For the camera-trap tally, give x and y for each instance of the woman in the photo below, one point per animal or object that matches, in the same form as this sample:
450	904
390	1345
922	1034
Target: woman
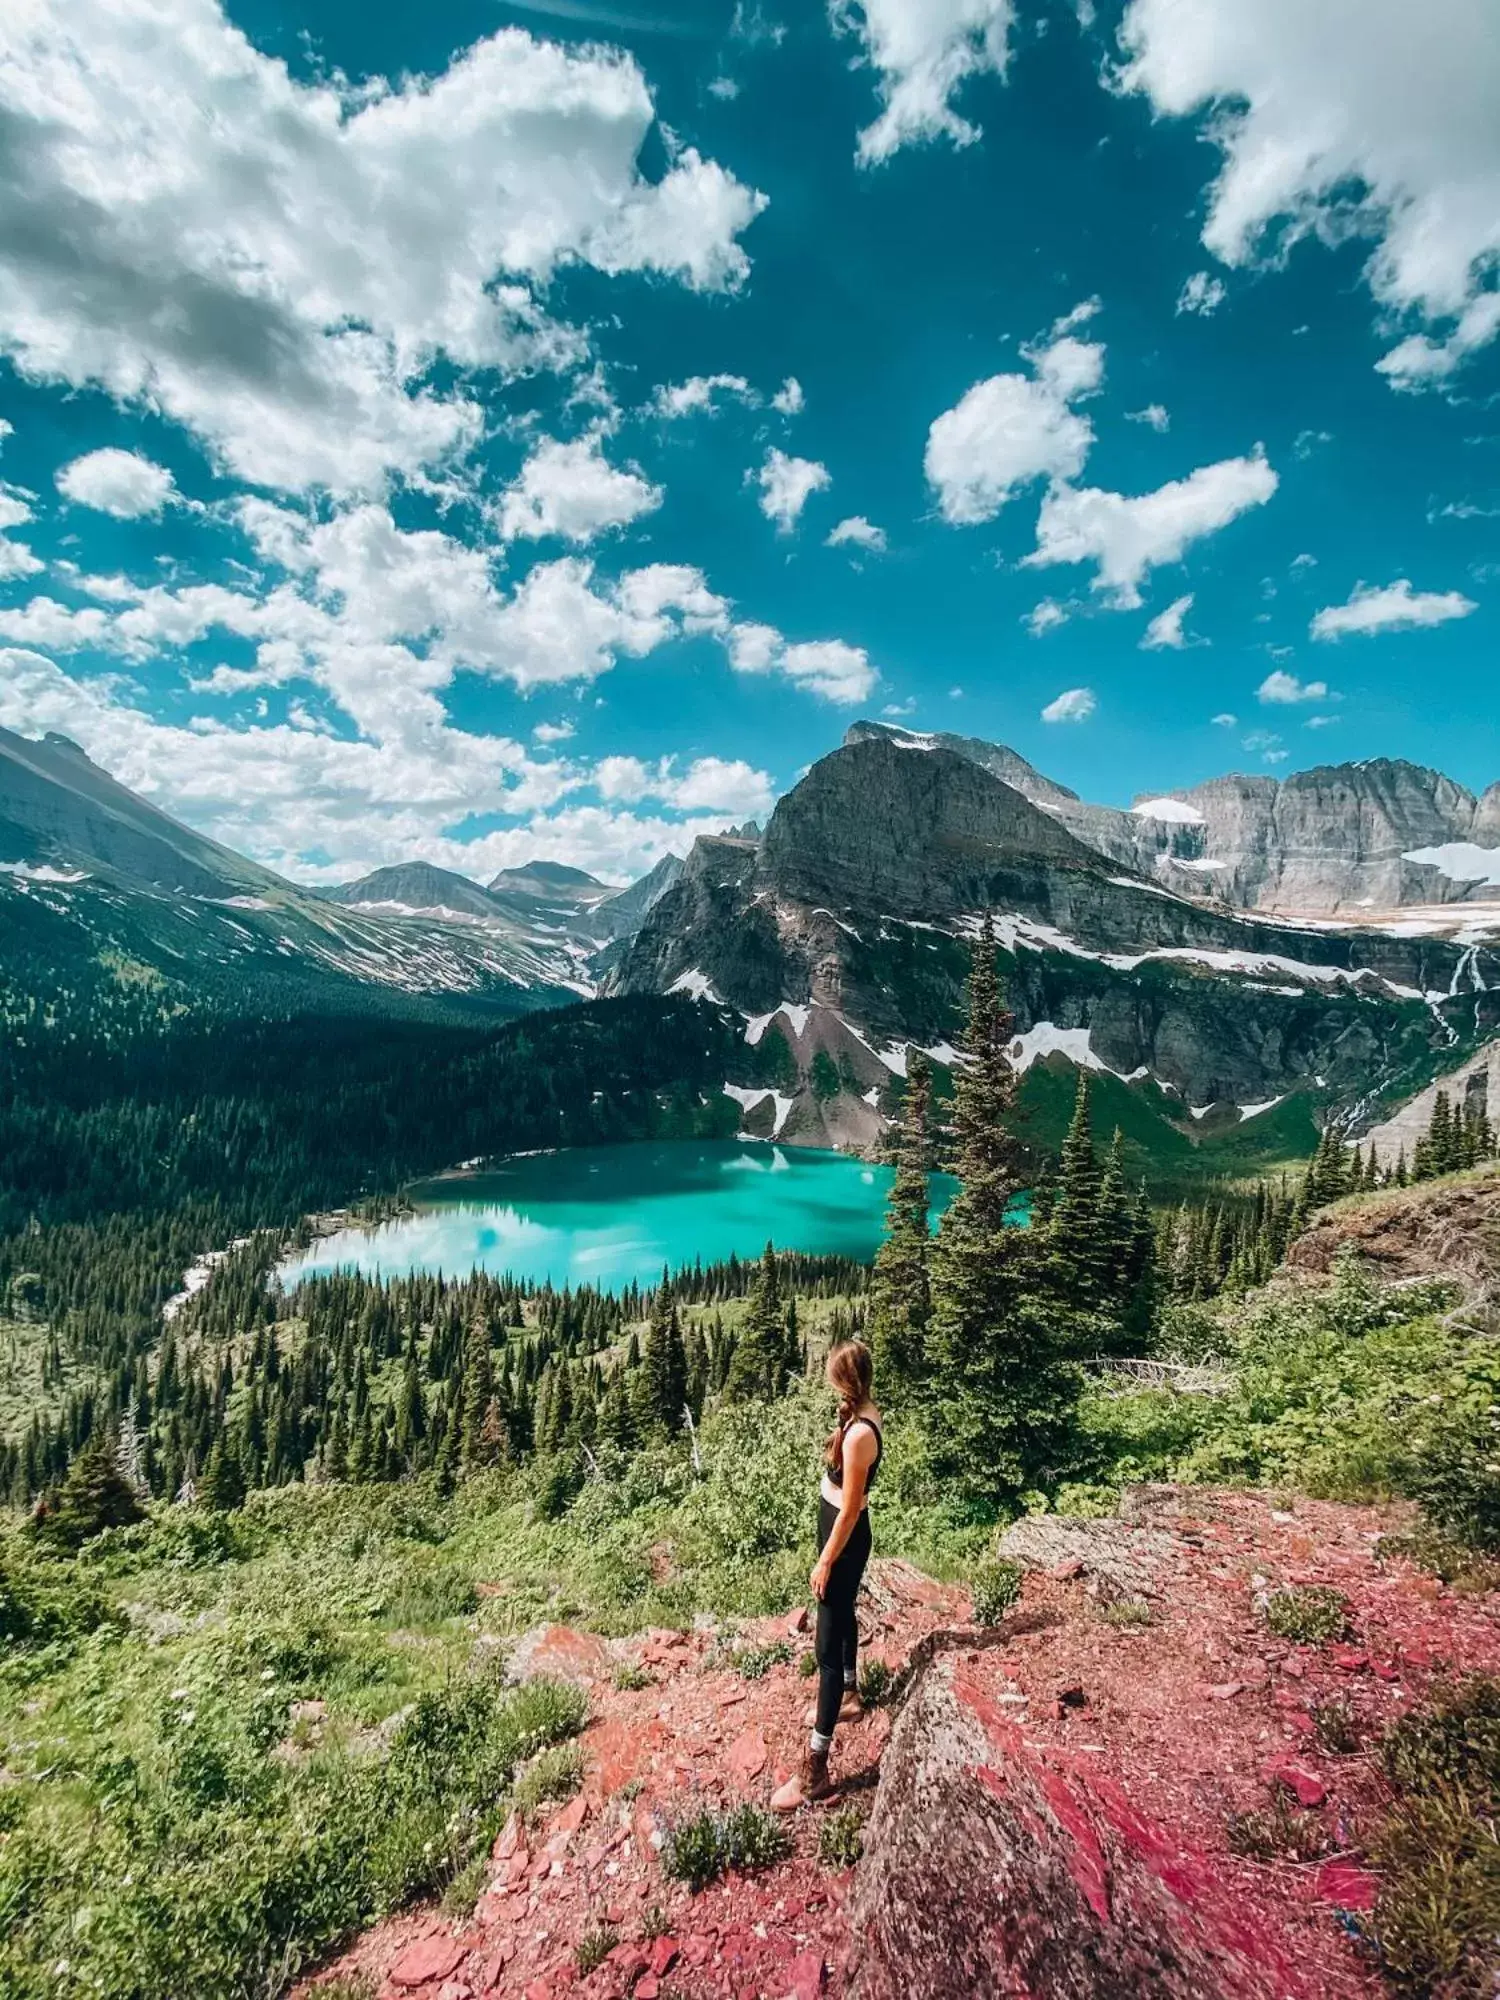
851	1459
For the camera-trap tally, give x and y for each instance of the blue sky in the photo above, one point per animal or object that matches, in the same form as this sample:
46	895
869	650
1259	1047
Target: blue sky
476	431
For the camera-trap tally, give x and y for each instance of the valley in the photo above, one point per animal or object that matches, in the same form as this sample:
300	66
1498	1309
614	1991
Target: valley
389	1338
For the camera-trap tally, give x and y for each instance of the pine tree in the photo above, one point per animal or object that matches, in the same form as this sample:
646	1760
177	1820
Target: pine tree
478	1390
1074	1255
900	1293
664	1370
92	1497
999	1396
758	1370
222	1486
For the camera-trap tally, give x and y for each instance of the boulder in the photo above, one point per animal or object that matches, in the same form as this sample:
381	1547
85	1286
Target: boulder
997	1865
1118	1560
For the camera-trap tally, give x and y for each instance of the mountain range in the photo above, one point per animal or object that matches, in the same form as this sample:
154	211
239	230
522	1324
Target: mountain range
846	928
1331	939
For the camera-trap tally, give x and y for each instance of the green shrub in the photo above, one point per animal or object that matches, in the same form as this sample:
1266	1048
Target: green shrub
996	1589
41	1603
1437	1922
875	1679
630	1679
594	1947
1308	1614
698	1850
807	1665
1453	1472
551	1775
1443	1556
1336	1727
1131	1614
841	1837
753	1663
1278	1832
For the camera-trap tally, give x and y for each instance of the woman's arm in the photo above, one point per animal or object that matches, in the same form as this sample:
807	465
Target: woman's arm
859	1456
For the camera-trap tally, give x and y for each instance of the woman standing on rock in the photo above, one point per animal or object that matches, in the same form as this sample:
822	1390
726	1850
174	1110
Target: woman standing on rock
851	1460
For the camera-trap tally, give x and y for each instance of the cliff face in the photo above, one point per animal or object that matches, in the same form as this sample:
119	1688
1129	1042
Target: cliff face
1338	840
873	873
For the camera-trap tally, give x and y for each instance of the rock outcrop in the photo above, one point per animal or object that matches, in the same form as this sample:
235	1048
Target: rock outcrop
1448	1230
1052	1807
997	1864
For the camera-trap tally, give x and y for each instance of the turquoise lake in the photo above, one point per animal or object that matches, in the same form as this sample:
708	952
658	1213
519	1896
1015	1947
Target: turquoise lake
607	1215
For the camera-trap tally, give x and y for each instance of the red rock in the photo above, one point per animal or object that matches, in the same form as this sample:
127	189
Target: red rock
539	1989
1386	1670
1294	1667
796	1622
1347	1885
697	1949
511	1837
806	1974
430	1959
648	1987
663	1955
1305	1786
1226	1690
628	1959
747	1756
1066	1572
1349	1658
572	1816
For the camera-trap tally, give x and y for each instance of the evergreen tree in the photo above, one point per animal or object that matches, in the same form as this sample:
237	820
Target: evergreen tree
664	1370
1075	1256
222	1486
758	1369
478	1390
92	1497
998	1401
900	1294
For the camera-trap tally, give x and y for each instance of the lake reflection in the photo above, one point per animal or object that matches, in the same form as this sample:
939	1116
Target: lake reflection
611	1215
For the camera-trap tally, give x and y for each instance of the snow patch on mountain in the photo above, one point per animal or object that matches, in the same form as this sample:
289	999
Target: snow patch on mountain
1461	861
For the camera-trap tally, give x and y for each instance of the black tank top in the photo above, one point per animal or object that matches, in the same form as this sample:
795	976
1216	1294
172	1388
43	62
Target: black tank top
836	1472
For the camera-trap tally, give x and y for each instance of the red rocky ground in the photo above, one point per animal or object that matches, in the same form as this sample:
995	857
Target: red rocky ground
1117	1755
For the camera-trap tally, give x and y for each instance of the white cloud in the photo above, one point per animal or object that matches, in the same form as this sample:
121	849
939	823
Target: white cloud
572	490
1306	103
283	793
1395	608
831	669
924	50
16	558
1267	744
789	400
1165	629
276	264
712	784
1320	722
826	667
753	648
1128	535
1045	617
1075	705
697	393
1154	414
786	485
1202	294
554	732
1285	690
1225	721
857	532
1008	430
121	483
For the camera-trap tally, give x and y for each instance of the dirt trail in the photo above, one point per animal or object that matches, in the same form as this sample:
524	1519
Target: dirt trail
1176	1724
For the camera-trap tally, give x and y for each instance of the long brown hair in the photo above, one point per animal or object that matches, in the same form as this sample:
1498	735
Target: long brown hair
851	1374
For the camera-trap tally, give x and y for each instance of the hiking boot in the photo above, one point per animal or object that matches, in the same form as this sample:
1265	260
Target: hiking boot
811	1784
851	1708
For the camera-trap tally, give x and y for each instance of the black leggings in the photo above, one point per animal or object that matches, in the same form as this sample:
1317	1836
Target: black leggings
838	1629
